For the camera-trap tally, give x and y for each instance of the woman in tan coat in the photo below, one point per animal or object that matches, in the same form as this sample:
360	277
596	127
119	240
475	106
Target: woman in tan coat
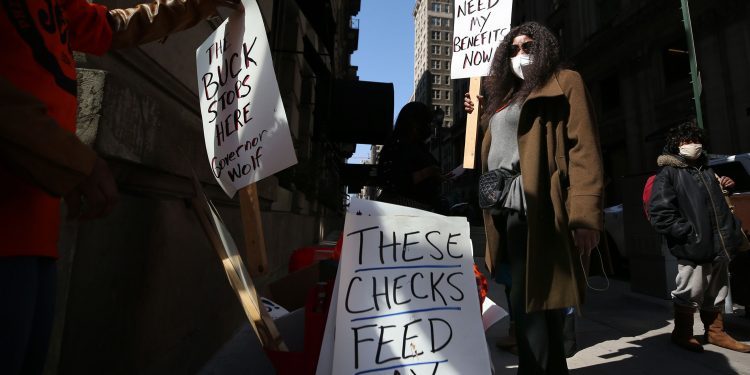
538	122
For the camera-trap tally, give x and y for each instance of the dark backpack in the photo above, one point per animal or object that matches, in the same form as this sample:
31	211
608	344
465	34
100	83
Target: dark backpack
647	194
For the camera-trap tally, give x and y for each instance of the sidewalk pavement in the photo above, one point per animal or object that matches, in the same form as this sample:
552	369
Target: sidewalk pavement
621	332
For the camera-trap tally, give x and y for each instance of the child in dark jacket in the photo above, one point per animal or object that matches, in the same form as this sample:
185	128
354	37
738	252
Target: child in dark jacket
688	209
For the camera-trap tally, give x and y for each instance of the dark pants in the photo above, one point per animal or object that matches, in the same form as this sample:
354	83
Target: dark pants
27	299
540	333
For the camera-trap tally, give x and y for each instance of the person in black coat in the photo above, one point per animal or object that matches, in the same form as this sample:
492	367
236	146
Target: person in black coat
688	209
409	175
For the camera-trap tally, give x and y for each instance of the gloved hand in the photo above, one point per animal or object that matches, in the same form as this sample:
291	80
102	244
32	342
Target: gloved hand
149	22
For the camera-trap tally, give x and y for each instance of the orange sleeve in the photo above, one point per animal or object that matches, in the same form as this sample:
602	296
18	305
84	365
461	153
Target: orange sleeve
88	27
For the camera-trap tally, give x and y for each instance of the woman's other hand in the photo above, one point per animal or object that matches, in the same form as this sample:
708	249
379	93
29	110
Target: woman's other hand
585	240
447	176
427	172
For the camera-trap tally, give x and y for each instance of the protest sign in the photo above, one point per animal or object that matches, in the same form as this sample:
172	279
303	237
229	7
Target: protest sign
478	28
356	207
244	124
407	299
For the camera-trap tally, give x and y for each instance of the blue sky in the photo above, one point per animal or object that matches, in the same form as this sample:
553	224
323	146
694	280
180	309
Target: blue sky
386	51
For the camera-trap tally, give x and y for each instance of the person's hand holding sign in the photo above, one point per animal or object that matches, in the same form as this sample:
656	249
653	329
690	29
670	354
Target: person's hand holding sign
469	104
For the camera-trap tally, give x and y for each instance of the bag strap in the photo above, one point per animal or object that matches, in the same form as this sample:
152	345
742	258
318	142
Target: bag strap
503	107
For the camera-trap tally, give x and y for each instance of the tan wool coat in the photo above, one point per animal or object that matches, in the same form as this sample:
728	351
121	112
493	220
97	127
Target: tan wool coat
561	167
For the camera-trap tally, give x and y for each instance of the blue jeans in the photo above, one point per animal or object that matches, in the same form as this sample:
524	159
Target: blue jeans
27	301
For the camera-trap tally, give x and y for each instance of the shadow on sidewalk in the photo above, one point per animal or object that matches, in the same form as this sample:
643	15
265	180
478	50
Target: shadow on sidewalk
621	332
656	355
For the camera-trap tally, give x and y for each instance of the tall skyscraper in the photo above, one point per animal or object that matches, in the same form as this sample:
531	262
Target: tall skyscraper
433	31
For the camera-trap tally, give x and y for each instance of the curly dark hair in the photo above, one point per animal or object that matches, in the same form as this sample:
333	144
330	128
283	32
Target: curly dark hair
502	85
685	132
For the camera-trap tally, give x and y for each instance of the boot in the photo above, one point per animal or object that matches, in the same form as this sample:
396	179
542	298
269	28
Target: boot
569	335
682	334
508	343
713	321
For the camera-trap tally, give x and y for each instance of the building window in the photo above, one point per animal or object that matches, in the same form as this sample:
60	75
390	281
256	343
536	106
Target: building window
435	107
436	7
446	21
436	35
435	50
436	94
447	80
447	8
436	79
447	64
446	94
435	21
448	51
447	110
447	35
435	64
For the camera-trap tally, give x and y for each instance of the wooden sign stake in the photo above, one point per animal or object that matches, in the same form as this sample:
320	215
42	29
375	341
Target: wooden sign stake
262	324
255	244
472	124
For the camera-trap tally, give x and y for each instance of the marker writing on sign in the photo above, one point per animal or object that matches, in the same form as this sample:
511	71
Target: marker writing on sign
231	67
238	156
490	37
232	70
217	49
480	21
431	370
469	7
429	237
432	285
440	333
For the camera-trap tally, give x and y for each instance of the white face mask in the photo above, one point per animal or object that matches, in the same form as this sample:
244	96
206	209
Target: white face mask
691	151
520	61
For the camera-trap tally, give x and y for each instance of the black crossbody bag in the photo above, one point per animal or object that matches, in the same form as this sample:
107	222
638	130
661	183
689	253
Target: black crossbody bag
494	186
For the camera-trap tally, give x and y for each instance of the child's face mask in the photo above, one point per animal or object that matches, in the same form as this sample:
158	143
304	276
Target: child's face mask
691	151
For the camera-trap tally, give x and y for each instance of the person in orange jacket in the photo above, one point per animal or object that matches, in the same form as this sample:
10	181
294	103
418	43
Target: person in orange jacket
41	159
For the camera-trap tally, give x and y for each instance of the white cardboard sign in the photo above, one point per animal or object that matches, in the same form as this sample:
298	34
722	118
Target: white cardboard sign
407	299
478	28
244	124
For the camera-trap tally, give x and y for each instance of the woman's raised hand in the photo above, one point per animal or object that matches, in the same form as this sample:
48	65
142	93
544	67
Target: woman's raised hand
469	104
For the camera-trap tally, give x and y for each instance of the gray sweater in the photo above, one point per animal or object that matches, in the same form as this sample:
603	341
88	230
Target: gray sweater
504	152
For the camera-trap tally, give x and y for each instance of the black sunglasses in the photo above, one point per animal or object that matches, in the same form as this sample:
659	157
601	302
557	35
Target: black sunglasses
526	46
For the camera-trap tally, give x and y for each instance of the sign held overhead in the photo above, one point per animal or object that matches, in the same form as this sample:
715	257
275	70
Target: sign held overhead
244	124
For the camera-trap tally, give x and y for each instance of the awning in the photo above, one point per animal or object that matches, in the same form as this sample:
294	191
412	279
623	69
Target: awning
361	112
